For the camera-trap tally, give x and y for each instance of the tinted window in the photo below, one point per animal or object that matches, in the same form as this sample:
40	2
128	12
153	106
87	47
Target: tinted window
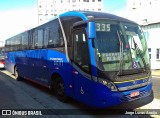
32	36
46	37
81	52
39	39
67	23
55	35
19	42
25	40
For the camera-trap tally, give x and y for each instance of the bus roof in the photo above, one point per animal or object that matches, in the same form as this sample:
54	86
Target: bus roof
99	15
86	15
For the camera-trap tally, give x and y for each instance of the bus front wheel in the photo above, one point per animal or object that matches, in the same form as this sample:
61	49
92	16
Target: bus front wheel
59	90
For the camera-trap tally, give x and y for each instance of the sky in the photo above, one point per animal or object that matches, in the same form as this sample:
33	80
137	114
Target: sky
20	15
114	6
109	5
7	5
17	16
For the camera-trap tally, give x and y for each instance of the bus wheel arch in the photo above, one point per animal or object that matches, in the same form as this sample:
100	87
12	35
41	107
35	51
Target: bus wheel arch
58	86
16	74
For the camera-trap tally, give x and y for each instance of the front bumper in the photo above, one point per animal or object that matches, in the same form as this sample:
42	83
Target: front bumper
107	98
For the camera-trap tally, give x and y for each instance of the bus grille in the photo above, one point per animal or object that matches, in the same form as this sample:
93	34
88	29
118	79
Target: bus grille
127	98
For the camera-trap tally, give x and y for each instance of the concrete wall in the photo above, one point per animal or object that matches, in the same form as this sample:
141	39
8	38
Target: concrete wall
153	38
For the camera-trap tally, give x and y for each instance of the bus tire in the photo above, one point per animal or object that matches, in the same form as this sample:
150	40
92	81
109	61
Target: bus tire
59	90
16	74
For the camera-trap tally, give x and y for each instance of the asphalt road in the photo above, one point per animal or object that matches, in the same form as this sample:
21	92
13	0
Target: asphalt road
26	95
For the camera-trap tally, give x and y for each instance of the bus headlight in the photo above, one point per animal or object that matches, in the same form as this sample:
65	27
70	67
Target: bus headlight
149	79
107	83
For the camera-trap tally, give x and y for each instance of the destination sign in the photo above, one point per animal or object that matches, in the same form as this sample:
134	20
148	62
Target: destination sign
103	27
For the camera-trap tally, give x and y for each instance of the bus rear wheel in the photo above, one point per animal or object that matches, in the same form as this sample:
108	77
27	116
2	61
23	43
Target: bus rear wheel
17	77
59	90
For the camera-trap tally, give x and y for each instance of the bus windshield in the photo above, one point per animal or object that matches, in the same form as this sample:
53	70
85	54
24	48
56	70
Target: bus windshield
120	47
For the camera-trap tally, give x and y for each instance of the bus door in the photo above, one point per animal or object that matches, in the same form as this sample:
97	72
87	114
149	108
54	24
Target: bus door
81	64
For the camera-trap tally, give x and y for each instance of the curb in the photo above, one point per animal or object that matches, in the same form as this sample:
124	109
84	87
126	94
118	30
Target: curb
157	76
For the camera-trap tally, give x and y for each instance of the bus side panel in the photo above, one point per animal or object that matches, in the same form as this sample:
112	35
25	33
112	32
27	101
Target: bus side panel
39	65
32	64
10	61
58	63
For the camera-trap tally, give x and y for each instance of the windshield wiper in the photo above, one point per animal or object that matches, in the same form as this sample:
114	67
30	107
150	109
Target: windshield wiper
140	53
121	54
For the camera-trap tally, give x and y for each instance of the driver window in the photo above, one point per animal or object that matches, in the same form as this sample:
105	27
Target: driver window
81	52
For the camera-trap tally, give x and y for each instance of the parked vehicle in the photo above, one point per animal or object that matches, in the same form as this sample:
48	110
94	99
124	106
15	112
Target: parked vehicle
96	58
2	62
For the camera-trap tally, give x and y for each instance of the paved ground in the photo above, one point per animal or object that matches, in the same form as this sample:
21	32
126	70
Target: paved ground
156	73
26	95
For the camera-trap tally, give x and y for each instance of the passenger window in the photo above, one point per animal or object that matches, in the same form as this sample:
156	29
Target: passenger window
46	37
55	35
33	39
40	38
25	40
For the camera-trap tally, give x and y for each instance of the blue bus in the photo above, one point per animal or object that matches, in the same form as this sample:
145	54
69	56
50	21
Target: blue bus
97	58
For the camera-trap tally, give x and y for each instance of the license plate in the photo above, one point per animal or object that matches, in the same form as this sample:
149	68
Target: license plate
134	94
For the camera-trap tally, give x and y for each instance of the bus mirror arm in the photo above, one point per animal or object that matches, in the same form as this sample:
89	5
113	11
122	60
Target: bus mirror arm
89	24
91	30
81	24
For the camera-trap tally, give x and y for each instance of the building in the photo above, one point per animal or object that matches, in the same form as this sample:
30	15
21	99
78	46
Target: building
48	9
144	12
1	44
140	10
152	31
